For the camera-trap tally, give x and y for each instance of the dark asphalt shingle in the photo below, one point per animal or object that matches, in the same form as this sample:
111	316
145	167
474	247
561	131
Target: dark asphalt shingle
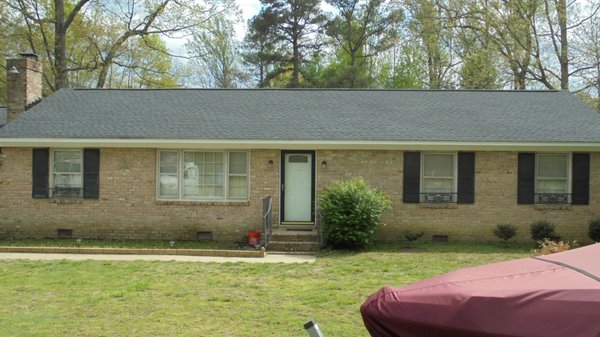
379	115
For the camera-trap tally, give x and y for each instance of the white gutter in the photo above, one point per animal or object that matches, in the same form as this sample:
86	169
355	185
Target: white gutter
299	144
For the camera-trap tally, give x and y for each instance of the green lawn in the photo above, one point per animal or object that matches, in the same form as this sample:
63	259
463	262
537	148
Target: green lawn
91	298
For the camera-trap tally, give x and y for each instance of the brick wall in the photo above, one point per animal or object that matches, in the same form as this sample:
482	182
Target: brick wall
495	198
128	208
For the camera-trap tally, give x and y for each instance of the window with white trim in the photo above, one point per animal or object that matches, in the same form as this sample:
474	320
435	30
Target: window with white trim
552	172
203	175
438	177
67	173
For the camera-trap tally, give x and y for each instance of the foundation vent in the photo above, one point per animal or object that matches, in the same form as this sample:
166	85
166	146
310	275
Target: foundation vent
63	233
204	236
439	238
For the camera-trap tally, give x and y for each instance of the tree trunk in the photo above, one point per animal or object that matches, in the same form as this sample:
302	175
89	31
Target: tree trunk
296	64
60	46
564	45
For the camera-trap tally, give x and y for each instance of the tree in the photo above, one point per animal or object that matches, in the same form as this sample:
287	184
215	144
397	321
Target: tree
54	29
504	24
478	54
479	69
361	30
429	26
218	53
144	19
552	31
402	69
61	17
4	48
259	48
588	47
293	26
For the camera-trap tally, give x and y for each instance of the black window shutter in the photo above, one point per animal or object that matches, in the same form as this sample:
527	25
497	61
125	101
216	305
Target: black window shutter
412	177
526	178
39	176
581	179
91	173
466	177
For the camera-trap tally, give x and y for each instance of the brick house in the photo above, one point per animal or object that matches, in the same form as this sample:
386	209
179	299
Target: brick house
178	163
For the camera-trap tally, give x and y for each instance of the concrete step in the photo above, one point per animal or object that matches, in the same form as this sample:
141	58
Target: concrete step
287	234
293	246
292	237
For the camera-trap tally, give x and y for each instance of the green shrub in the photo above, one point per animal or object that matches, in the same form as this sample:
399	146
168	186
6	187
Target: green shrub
543	229
351	210
594	231
505	231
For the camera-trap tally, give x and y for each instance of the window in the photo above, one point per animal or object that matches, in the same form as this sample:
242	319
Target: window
203	175
169	168
238	175
438	178
67	173
552	178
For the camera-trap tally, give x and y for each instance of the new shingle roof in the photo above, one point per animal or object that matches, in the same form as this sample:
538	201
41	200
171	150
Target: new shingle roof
248	114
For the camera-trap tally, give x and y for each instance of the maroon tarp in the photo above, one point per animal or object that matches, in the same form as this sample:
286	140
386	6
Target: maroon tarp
552	295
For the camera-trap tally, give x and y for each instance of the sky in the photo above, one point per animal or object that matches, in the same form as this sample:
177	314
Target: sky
249	8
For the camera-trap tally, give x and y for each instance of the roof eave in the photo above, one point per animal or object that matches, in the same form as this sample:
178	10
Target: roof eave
301	144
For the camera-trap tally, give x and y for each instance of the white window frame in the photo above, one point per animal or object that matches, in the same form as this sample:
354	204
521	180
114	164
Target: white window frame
454	171
52	171
180	175
247	174
569	168
158	196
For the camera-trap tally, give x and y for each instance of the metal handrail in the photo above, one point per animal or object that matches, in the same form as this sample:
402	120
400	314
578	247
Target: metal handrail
267	220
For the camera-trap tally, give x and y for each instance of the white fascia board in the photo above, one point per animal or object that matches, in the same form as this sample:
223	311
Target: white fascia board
300	144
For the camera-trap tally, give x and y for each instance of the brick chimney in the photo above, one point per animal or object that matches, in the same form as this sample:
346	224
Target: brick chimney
23	84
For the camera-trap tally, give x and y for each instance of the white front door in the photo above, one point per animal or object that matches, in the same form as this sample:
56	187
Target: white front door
298	187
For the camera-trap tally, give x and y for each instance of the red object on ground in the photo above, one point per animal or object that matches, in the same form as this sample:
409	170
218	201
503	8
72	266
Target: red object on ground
554	295
254	238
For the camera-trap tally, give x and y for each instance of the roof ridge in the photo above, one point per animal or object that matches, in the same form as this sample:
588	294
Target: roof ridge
324	89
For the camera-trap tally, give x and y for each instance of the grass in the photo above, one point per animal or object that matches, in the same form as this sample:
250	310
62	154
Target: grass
95	298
